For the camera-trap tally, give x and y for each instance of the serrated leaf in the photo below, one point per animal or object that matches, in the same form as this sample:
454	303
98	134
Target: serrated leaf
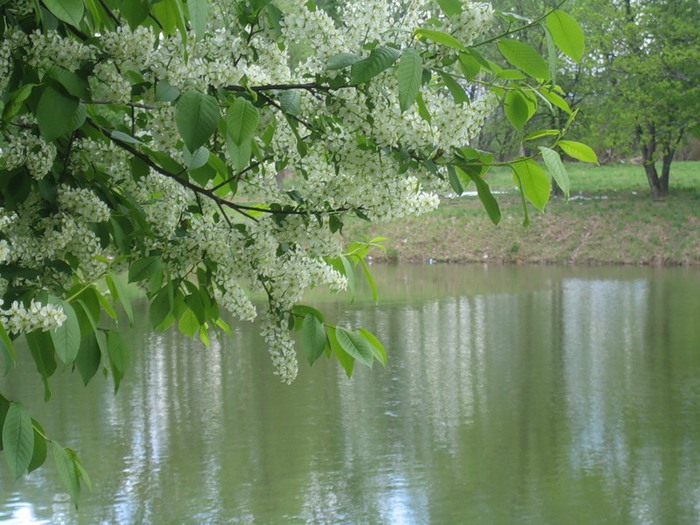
341	61
165	92
313	337
556	169
7	350
119	356
18	439
199	16
454	181
486	197
456	90
450	7
142	269
73	83
39	450
440	37
66	338
188	323
516	109
69	11
534	182
41	348
120	292
89	357
410	73
578	151
123	137
377	346
525	58
55	112
543	133
290	102
355	345
469	65
567	34
196	117
557	100
241	121
66	471
345	359
380	59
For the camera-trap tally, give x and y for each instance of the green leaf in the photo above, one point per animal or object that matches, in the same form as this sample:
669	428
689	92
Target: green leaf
160	311
469	65
377	346
440	37
165	92
74	84
120	291
458	94
485	196
423	109
199	16
556	100
524	57
290	102
196	117
345	359
455	183
341	61
189	324
119	356
410	77
242	120
17	99
313	337
556	169
135	12
543	133
41	348
142	269
379	60
67	471
578	151
55	112
7	350
68	11
355	345
39	450
567	34
533	181
4	407
516	109
66	338
18	439
370	280
450	7
89	357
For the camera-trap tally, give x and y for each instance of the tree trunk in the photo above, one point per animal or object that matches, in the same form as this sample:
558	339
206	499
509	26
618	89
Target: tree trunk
648	146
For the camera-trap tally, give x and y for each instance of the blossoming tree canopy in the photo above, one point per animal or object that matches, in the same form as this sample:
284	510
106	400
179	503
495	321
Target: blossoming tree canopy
143	141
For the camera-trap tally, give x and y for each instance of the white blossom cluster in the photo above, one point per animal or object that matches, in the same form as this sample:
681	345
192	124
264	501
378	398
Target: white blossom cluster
82	202
280	345
27	148
353	166
18	319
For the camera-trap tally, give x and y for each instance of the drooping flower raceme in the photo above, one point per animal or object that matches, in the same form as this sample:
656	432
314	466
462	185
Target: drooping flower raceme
174	143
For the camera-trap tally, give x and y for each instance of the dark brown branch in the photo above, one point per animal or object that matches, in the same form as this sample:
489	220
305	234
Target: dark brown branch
198	190
110	13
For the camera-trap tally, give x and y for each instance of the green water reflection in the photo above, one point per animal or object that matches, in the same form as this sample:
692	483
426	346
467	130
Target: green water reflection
513	395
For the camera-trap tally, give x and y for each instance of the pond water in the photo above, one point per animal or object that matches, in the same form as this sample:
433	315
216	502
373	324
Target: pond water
539	395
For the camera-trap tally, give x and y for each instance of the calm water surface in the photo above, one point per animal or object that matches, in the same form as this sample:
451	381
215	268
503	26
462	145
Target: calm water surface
513	395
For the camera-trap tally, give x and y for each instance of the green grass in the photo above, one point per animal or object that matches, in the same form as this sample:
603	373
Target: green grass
610	219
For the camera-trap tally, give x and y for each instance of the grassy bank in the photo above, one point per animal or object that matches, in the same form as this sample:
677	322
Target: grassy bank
610	219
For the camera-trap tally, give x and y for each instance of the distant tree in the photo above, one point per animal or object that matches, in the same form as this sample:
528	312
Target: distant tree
642	78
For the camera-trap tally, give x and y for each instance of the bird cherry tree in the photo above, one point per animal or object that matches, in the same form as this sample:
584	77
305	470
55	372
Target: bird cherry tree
142	143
